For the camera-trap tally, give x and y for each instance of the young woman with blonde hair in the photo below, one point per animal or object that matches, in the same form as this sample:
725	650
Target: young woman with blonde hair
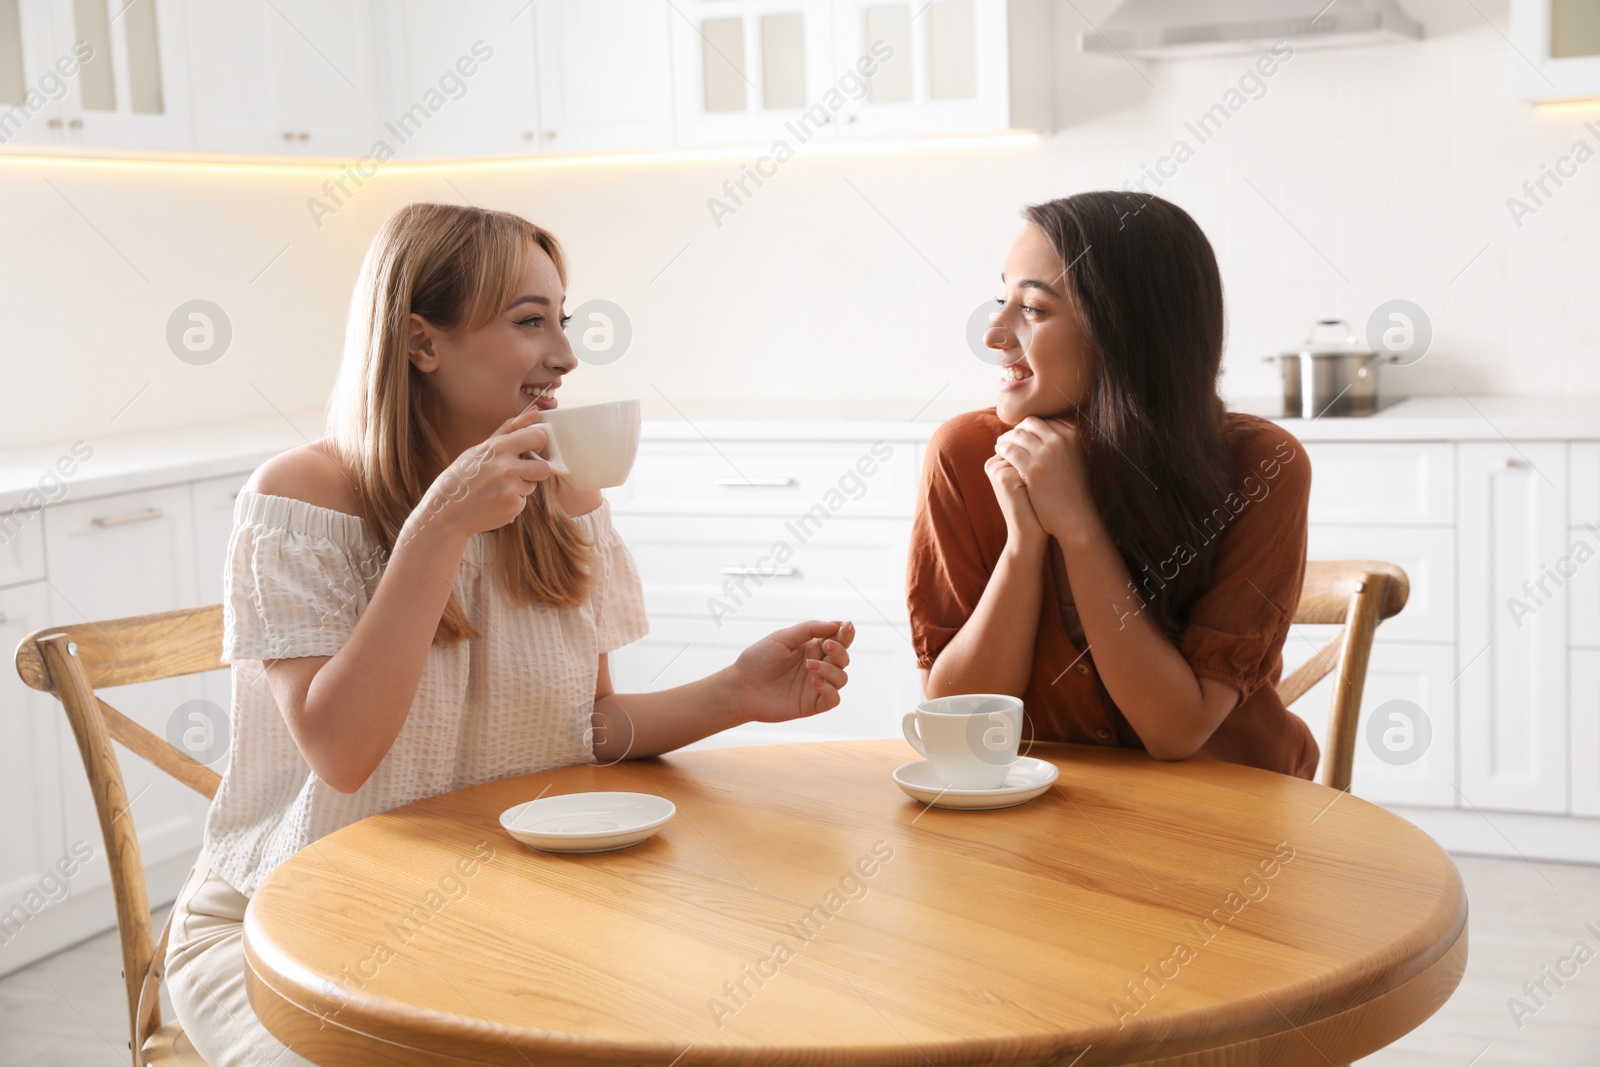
414	605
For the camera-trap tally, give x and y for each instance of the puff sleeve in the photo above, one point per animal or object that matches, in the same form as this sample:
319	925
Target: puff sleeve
1237	627
618	595
298	576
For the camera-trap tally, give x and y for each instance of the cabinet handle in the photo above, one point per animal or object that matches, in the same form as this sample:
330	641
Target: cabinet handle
549	135
527	135
76	124
54	124
757	482
132	516
776	572
1511	462
2	616
304	136
288	135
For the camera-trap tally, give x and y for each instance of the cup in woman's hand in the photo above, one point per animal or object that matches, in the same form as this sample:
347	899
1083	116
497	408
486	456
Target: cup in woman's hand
592	446
971	740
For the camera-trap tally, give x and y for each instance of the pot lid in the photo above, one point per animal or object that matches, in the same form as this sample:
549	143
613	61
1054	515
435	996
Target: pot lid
1331	337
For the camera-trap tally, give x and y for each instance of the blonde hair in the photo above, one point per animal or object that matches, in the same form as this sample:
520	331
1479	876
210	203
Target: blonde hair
457	267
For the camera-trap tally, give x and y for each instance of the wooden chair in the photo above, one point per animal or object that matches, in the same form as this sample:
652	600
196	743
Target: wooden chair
71	662
1358	594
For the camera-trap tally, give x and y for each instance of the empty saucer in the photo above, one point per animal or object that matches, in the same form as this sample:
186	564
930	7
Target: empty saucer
1027	778
587	822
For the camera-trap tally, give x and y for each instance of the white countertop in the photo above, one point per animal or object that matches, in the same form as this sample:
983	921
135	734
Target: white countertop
122	463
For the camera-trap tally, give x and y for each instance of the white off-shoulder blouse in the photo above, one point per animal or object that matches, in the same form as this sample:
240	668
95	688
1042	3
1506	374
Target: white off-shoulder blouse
514	701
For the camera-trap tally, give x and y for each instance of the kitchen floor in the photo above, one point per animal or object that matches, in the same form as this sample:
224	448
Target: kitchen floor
68	1010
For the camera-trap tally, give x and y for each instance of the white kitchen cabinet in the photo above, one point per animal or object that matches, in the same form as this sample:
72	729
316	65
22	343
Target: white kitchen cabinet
475	63
605	75
768	568
32	835
1426	554
1555	49
294	77
754	71
111	557
1513	689
1584	761
855	479
1387	483
1422	673
122	70
945	66
214	501
883	683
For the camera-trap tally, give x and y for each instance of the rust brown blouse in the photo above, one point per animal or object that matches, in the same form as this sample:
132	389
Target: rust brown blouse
1236	629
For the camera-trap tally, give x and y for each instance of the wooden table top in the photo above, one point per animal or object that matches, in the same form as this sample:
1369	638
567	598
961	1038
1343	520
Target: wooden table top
800	909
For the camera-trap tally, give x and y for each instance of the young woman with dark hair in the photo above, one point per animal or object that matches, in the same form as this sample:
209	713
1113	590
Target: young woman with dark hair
1108	542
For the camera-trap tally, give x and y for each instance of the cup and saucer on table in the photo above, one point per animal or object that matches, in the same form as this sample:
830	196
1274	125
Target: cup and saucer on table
970	744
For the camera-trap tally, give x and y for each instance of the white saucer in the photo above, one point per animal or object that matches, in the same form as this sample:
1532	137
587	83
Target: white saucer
1027	778
587	822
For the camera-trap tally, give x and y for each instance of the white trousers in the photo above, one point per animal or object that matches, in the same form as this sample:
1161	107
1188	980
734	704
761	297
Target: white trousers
205	976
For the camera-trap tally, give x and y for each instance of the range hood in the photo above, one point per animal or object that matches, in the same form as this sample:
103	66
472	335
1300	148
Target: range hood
1176	29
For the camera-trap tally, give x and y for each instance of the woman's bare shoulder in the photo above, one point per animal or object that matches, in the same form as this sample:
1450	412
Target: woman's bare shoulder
312	473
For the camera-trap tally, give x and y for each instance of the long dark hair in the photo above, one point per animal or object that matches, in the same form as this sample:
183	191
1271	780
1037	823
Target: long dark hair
1145	285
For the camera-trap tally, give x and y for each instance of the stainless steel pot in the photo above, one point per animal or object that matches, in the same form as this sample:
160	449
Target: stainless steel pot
1330	374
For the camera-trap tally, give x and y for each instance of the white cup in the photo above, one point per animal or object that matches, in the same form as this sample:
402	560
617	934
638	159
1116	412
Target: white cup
971	739
592	446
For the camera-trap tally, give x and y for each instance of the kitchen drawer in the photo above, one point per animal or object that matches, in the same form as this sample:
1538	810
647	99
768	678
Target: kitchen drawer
1427	555
883	680
21	546
842	568
1401	482
1422	673
824	479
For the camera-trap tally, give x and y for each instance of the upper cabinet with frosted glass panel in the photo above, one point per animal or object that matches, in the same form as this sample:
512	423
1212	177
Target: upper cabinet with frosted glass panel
93	74
945	66
1557	54
763	71
358	80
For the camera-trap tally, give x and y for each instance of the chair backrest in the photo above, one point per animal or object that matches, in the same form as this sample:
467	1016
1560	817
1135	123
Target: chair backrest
1356	594
71	662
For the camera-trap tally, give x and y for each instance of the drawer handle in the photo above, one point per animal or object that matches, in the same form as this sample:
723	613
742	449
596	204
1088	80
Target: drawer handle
757	572
775	483
1512	463
132	516
2	616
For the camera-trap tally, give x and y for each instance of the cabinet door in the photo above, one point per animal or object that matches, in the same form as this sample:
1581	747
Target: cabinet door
110	557
1512	691
883	684
133	92
605	74
28	114
32	837
1421	771
1556	49
938	67
463	78
328	51
214	500
237	74
1426	554
1585	761
754	72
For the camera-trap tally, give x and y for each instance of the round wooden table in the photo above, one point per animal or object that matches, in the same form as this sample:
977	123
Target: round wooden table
800	909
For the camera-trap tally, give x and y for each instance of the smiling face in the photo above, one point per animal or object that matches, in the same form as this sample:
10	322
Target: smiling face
1046	358
481	378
